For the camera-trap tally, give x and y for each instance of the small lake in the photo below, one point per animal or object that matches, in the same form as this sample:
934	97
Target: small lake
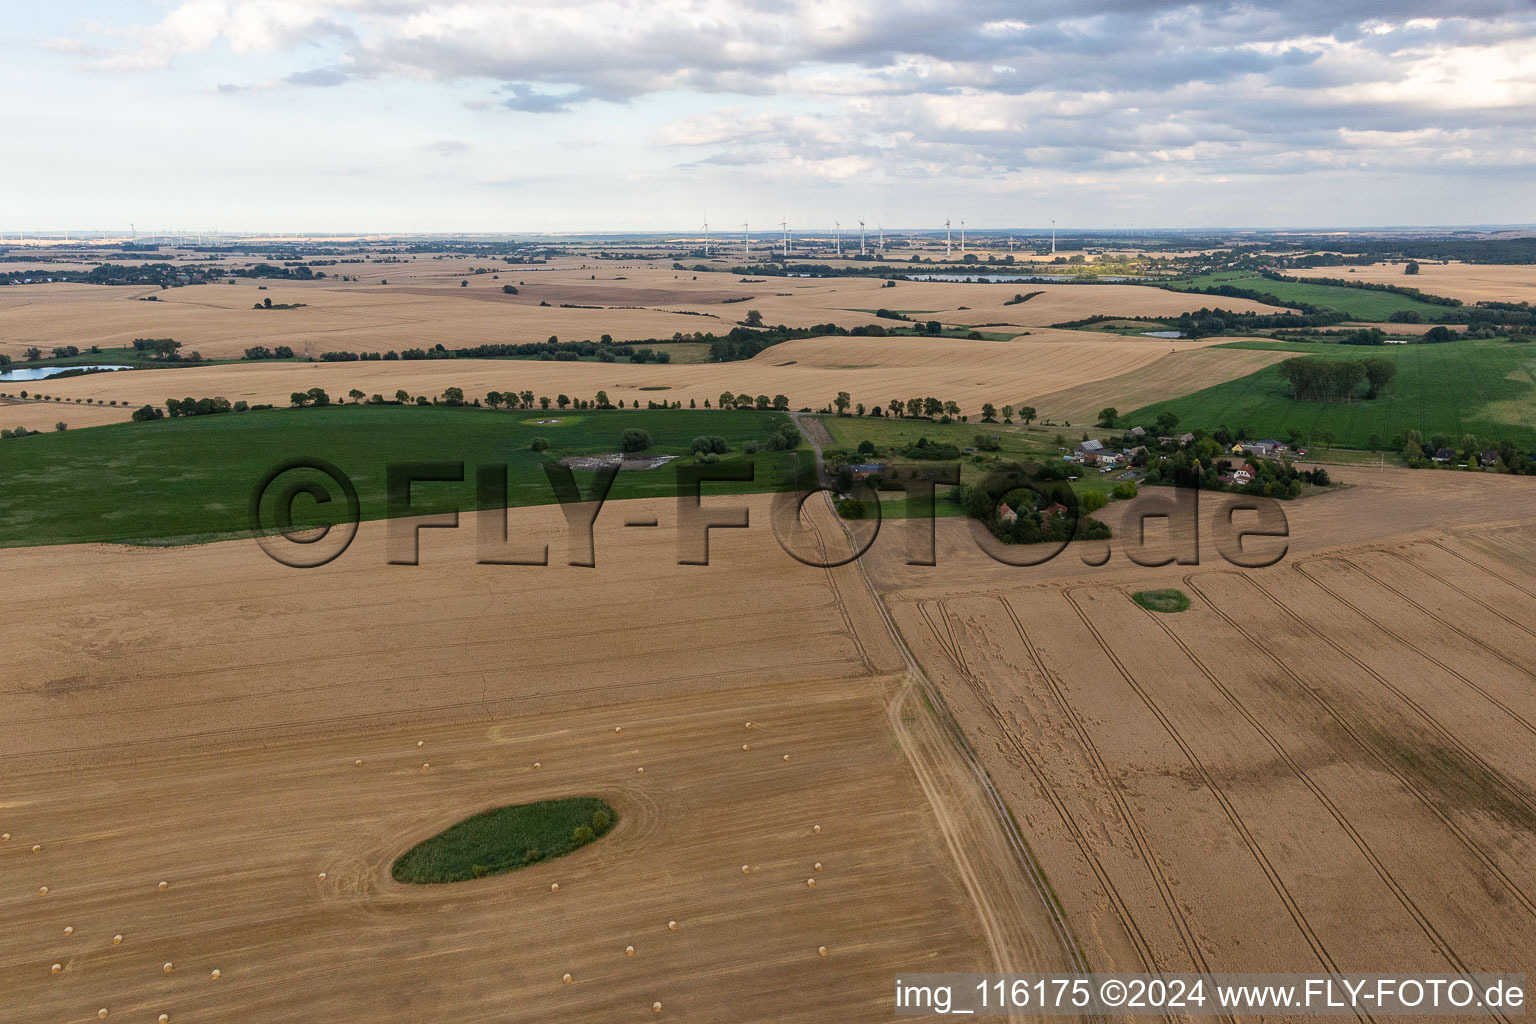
44	372
1162	334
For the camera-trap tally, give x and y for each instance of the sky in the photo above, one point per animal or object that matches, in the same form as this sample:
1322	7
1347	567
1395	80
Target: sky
655	115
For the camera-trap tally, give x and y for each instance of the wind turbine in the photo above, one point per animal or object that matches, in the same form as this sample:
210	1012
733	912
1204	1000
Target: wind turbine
706	236
1053	236
962	236
746	243
862	251
881	228
946	238
785	225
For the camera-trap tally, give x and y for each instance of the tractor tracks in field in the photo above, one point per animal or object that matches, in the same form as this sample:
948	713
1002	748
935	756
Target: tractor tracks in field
1345	825
1353	730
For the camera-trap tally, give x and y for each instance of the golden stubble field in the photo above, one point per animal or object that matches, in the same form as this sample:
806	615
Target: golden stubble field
809	372
1322	765
1469	282
431	301
196	716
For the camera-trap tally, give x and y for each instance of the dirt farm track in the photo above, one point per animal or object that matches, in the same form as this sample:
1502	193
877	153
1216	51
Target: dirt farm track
1327	763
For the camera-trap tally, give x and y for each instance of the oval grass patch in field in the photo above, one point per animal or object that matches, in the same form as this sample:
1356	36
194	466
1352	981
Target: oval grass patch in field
1161	600
505	839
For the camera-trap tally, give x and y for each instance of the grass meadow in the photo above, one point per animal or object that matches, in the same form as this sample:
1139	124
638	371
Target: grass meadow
190	479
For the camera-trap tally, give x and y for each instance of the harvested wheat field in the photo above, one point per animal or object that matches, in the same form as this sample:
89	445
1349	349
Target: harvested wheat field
1469	282
429	302
214	746
1182	371
1321	765
45	415
807	371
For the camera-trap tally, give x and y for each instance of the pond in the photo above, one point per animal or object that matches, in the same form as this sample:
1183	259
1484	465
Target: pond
1162	334
44	372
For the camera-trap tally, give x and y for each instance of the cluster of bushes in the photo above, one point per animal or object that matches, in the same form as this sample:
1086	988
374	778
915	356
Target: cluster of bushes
18	432
202	406
929	451
581	835
1337	380
256	352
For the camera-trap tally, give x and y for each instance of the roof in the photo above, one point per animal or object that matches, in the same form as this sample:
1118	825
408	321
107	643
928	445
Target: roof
866	467
1090	446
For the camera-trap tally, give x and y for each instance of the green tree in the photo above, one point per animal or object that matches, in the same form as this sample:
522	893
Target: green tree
988	413
493	399
356	396
1166	423
1108	415
841	402
1412	267
754	318
1007	414
634	440
403	396
317	396
562	401
453	396
1027	414
780	402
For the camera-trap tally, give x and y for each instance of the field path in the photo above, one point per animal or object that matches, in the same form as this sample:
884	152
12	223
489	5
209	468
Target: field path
939	753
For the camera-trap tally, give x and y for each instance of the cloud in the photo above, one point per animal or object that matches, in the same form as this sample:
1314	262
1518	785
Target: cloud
448	147
987	89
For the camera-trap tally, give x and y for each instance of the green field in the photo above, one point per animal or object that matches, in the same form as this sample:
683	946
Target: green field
502	840
1485	388
1357	303
1169	601
190	479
